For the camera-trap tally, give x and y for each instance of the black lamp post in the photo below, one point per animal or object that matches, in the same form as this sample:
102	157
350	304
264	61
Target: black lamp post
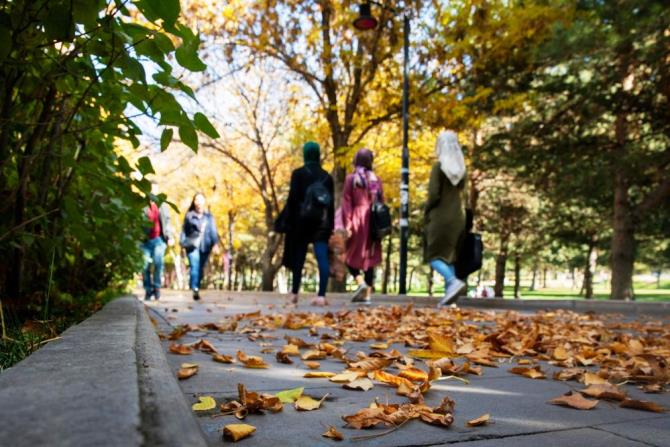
364	22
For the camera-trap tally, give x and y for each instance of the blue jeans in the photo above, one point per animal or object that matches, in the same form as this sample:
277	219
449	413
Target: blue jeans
321	253
446	270
197	260
153	252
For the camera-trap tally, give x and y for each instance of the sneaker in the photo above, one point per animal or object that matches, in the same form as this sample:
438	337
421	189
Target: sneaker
451	294
359	295
157	294
196	294
148	294
319	301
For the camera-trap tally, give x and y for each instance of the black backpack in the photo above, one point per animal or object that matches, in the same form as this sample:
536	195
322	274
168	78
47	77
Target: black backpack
380	219
317	200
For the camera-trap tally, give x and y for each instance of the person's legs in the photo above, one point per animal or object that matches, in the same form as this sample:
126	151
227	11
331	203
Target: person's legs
158	254
370	277
299	262
321	253
204	257
146	270
452	285
194	268
360	294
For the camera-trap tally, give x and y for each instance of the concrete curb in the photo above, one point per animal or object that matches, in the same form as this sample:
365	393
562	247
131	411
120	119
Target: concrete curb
104	382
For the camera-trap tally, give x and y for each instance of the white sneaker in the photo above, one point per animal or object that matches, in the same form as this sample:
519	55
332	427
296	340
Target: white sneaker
451	294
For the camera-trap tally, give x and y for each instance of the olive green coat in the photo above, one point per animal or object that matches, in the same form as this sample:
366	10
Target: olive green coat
444	217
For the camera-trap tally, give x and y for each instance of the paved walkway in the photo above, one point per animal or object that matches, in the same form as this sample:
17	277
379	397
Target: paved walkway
517	405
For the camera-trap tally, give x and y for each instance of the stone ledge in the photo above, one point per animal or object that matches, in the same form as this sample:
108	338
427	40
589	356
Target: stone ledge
97	385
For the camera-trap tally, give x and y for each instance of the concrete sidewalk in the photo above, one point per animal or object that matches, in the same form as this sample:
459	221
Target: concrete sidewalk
518	405
105	382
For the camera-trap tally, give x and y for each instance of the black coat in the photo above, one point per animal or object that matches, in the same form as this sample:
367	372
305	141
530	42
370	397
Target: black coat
300	232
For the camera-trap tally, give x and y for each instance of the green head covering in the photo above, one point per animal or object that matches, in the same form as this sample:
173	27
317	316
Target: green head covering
311	152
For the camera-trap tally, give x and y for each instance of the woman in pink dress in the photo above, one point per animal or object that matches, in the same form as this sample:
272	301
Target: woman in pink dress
364	253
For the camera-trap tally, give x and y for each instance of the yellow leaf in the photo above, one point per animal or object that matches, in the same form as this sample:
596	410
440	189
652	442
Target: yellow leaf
344	377
481	420
206	403
440	343
235	432
363	384
291	350
318	375
306	403
425	354
379	346
290	396
593	379
312	365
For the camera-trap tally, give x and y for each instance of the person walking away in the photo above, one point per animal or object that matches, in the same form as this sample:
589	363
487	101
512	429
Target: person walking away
199	238
445	213
159	236
364	251
310	219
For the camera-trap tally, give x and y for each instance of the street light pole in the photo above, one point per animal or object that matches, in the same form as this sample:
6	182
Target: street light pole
404	170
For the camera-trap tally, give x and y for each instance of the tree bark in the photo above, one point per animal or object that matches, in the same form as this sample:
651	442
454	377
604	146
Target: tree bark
387	265
532	281
499	287
517	276
623	242
588	271
430	281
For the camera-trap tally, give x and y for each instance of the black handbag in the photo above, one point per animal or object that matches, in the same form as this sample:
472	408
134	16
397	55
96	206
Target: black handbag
380	216
471	252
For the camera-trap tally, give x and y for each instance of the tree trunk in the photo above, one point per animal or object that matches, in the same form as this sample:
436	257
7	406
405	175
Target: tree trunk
387	265
517	276
501	261
588	271
532	281
544	278
231	251
623	242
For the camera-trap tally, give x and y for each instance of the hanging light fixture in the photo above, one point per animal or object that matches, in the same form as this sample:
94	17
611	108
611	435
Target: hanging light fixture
365	21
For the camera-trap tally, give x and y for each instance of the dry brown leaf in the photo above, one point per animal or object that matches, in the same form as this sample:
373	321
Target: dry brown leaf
605	391
187	370
574	400
235	432
223	358
345	377
205	346
363	384
370	364
283	357
560	353
306	403
312	365
291	349
314	354
318	375
569	374
180	349
332	433
532	373
391	379
593	379
381	346
414	374
481	420
251	361
440	342
644	405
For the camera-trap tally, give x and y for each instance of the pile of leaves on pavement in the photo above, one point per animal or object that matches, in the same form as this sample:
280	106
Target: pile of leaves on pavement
599	352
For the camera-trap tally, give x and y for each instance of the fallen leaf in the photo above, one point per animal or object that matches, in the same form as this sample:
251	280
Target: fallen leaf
205	346
187	370
604	391
532	373
290	396
593	379
180	349
283	357
414	374
381	346
251	361
223	358
569	374
425	354
481	420
644	405
290	350
318	375
332	433
312	365
440	342
370	364
314	354
560	353
363	384
391	379
574	400
235	432
205	403
344	377
306	403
